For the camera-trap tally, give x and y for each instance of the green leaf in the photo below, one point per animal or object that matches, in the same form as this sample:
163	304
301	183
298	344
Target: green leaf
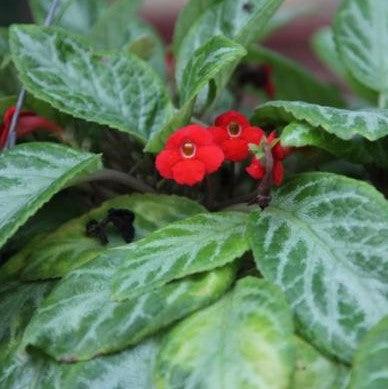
360	31
9	82
315	371
324	47
18	302
210	60
242	341
292	82
120	28
200	243
187	17
73	15
68	247
231	18
371	124
323	241
30	174
116	89
79	320
370	368
358	150
131	368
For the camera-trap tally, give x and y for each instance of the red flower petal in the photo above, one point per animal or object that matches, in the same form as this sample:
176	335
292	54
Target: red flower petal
219	134
278	173
235	149
165	161
189	172
30	122
231	116
256	169
212	157
192	133
3	136
253	134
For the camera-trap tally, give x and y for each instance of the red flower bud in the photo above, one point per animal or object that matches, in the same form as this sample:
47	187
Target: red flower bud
189	155
233	133
257	170
27	123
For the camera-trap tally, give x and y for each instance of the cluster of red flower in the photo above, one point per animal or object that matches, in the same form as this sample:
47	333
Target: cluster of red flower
192	152
28	122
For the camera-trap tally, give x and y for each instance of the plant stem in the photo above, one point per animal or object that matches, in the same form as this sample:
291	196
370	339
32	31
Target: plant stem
263	197
121	178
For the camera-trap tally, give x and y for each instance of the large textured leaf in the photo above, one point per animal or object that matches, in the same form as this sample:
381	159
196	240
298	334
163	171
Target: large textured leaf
120	28
32	173
323	240
9	83
315	371
360	31
79	320
358	150
200	243
68	247
370	367
74	15
292	82
210	60
371	124
131	368
231	18
116	89
324	47
242	341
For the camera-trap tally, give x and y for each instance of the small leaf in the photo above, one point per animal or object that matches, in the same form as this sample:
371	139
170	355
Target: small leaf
358	150
315	371
323	240
74	15
242	341
292	82
200	243
360	31
79	320
30	174
116	89
371	124
370	368
210	60
68	247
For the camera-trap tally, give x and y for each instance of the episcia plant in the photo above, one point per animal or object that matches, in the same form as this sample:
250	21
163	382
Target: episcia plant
209	215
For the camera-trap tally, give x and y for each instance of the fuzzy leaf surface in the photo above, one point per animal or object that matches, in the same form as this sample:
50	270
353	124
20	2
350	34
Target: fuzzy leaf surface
243	341
31	173
323	240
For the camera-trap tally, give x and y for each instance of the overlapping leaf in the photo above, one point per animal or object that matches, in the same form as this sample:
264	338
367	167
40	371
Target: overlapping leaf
244	340
360	31
79	320
371	124
116	89
358	150
68	247
323	240
292	82
32	173
370	368
200	243
210	60
313	370
74	15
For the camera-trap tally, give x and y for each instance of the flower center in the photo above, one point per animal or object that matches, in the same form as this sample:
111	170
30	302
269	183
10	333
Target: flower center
234	130
188	150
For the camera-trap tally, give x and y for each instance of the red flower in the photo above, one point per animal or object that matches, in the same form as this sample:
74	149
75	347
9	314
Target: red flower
27	123
189	155
257	170
233	133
